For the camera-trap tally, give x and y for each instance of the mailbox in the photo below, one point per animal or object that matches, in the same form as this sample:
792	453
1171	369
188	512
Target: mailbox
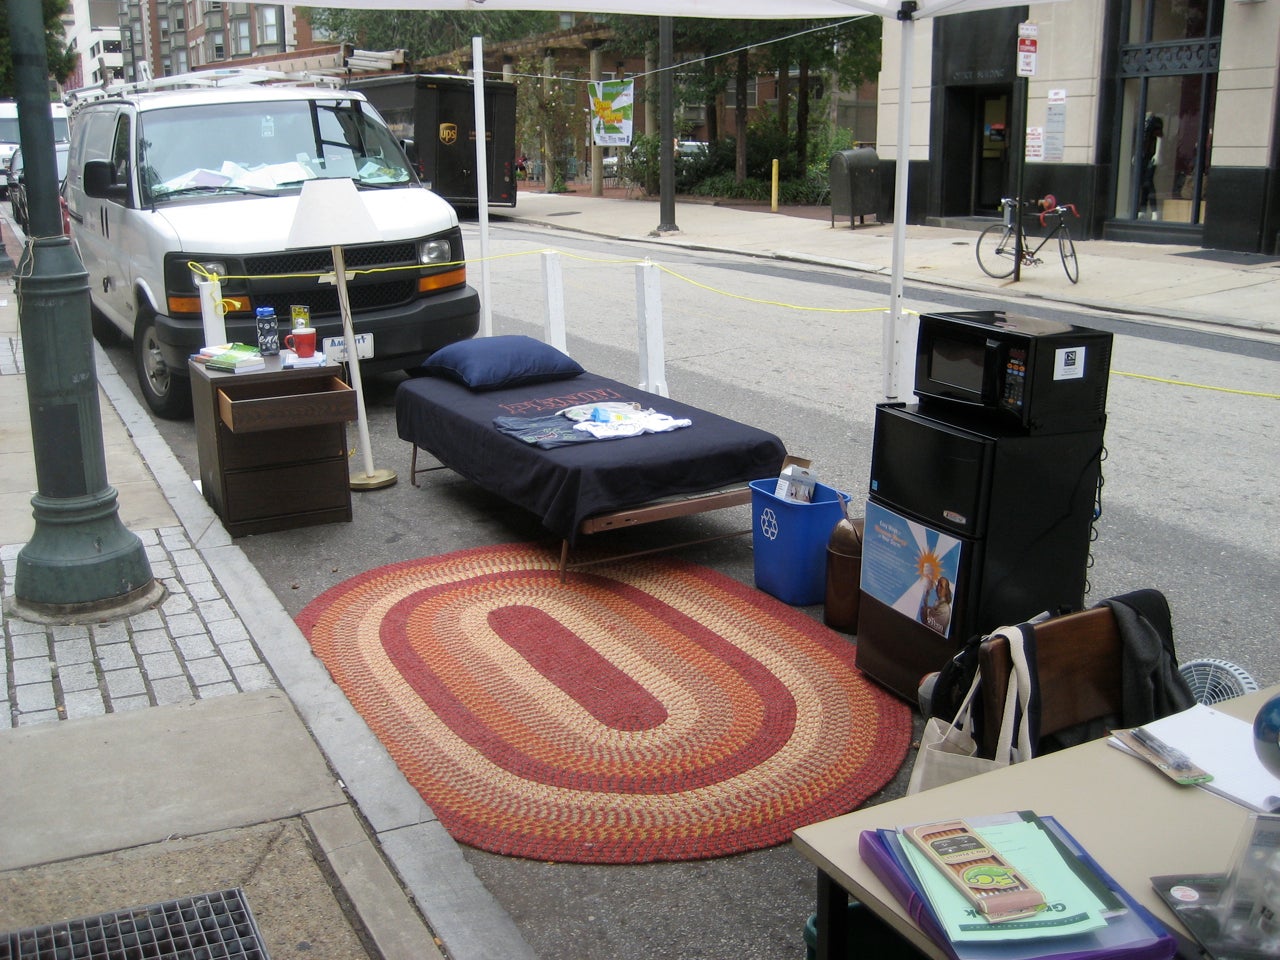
854	179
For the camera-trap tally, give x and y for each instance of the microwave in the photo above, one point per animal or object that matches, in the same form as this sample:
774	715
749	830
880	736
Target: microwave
1042	375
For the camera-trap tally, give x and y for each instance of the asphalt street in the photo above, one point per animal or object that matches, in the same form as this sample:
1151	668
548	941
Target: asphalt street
1188	507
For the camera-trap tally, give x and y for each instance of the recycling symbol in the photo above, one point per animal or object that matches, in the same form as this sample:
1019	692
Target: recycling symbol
769	523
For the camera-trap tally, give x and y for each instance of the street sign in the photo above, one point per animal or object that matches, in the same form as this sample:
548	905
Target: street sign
1026	56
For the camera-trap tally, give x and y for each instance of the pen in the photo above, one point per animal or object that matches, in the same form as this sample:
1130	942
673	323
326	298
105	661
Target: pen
1173	757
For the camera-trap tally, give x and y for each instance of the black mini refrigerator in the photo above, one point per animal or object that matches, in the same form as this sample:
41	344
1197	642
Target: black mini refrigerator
972	523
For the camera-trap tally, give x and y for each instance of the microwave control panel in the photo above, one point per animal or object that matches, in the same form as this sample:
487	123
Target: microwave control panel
1015	380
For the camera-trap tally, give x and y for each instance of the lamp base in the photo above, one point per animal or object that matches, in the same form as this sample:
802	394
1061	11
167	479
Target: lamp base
372	481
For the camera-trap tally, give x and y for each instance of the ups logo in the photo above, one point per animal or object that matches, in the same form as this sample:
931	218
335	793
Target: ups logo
448	134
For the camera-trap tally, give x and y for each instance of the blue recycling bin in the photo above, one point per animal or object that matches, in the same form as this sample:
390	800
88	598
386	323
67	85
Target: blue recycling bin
789	540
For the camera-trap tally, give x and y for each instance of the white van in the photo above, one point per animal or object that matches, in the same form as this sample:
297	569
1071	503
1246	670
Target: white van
9	131
157	181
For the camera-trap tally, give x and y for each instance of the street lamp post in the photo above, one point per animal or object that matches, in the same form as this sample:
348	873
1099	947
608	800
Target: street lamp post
81	560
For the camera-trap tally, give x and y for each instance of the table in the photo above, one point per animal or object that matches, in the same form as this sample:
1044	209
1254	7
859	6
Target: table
272	445
1134	821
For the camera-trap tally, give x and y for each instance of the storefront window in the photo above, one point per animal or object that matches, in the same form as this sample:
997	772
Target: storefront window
1169	69
1156	20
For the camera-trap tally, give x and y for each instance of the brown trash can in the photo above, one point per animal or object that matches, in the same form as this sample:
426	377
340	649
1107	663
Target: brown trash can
844	571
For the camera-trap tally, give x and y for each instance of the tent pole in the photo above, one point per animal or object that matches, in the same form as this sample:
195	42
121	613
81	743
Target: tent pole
482	184
892	348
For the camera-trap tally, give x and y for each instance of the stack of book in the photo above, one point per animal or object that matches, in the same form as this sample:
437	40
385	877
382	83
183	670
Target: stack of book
1070	908
231	358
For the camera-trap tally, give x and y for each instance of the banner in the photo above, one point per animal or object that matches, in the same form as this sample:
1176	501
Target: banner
611	102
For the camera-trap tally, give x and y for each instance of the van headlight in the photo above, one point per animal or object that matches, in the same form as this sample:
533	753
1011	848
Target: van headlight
215	267
435	251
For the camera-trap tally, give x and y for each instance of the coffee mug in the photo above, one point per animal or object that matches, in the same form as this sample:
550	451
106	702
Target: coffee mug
302	341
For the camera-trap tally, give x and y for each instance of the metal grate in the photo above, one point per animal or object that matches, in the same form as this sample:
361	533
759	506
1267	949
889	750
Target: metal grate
211	926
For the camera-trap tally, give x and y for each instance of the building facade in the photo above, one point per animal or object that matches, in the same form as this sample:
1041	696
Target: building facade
178	36
1158	119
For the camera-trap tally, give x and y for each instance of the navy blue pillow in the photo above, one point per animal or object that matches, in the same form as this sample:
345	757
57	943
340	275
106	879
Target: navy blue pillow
491	363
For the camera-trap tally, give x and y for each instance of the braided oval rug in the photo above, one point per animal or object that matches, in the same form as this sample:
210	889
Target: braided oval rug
647	710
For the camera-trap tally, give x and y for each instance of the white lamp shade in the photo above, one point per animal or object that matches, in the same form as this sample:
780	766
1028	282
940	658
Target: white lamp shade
331	213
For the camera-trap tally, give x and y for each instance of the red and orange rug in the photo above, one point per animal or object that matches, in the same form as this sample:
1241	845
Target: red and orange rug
648	710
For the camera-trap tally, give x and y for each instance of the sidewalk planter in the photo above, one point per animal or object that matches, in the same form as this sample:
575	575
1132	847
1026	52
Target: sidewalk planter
789	540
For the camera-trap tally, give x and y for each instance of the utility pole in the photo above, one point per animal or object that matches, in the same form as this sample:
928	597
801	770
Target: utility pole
81	561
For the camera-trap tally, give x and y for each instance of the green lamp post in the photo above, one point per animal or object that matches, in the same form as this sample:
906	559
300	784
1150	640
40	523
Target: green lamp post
81	561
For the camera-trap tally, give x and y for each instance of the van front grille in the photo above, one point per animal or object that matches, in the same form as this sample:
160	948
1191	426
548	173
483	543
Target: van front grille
320	260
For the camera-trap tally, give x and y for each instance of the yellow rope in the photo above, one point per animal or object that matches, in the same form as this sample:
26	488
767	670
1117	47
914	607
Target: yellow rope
611	261
1198	386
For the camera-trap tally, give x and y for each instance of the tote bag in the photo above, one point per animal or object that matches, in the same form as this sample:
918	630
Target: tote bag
949	752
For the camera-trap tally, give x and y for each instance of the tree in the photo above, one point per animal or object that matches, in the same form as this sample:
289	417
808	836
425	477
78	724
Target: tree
62	58
547	109
850	50
427	33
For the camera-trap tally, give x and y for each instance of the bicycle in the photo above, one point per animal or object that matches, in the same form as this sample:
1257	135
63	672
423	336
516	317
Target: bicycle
996	250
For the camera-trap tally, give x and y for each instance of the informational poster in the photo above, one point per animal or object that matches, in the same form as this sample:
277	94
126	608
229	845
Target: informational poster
1055	127
611	105
911	567
1035	144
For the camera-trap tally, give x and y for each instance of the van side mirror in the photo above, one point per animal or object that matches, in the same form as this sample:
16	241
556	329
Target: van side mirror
100	182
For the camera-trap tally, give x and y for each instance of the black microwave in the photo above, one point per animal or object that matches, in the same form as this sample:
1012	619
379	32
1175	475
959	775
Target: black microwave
1046	376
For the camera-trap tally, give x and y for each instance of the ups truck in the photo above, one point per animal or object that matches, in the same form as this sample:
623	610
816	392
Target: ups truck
434	116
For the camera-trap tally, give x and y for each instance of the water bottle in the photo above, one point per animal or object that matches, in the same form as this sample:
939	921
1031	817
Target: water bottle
268	332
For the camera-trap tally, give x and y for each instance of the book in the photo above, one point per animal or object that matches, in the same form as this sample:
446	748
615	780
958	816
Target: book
236	358
290	360
1130	932
1015	855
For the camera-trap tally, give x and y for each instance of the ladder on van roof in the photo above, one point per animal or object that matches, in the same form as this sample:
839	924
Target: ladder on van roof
220	77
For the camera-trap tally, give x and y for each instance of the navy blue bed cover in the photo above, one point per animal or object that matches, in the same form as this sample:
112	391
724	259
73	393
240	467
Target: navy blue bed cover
565	485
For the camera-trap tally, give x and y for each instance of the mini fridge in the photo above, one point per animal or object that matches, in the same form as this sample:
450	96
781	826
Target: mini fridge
971	524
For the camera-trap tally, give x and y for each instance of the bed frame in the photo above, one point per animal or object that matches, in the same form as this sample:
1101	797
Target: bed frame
666	509
440	419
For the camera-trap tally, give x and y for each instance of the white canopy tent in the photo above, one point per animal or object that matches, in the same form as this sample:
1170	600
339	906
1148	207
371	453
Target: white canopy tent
895	352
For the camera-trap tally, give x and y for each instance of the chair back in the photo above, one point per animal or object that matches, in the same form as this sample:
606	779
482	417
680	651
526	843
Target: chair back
1078	658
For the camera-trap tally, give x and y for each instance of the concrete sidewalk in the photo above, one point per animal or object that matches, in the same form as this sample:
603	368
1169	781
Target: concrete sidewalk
200	744
1165	283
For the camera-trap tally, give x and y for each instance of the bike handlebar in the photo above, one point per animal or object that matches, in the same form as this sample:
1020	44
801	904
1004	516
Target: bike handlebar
1047	206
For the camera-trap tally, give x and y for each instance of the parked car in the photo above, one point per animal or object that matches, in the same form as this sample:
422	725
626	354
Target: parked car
18	184
11	167
160	180
9	130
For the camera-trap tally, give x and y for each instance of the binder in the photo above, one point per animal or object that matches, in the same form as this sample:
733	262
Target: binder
1133	934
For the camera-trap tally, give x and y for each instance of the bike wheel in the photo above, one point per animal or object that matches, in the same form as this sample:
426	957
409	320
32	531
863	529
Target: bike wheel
1068	250
995	251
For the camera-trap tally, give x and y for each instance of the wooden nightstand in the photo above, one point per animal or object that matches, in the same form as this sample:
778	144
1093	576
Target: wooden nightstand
273	445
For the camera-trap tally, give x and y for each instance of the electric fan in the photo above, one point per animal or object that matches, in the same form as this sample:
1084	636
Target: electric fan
1212	680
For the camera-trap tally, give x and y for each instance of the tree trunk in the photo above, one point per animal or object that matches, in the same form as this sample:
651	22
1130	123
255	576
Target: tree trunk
802	115
713	119
784	100
740	118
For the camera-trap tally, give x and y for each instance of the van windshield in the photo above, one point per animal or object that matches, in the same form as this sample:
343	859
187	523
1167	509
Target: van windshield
263	148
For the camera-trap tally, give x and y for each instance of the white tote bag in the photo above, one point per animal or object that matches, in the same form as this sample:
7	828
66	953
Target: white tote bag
949	752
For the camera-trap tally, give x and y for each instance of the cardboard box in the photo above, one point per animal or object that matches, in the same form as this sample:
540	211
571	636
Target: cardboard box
796	480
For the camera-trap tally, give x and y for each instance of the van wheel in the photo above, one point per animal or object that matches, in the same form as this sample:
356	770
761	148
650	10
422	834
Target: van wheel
167	394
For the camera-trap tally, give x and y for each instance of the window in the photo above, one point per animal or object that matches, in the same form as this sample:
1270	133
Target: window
1168	86
243	43
731	95
217	46
268	25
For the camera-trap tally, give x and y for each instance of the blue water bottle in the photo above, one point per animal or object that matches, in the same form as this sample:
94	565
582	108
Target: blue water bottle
268	332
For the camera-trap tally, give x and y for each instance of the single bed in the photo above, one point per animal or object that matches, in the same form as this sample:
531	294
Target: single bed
585	487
